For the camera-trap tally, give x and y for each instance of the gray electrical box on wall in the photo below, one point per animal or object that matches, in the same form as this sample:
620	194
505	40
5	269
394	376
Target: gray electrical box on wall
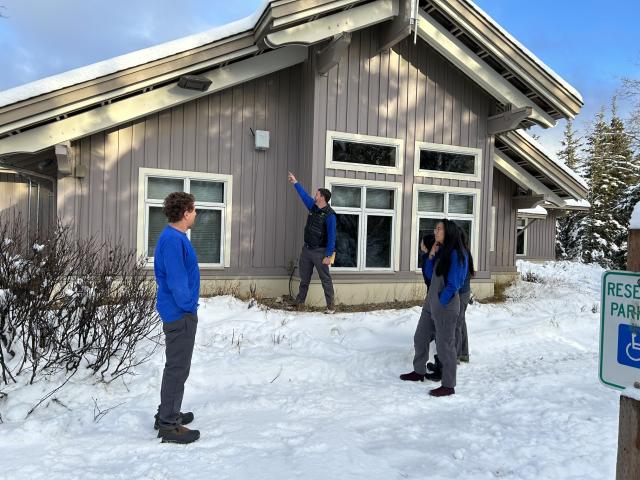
262	139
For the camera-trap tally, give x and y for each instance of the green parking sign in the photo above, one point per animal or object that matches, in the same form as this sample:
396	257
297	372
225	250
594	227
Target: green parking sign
620	329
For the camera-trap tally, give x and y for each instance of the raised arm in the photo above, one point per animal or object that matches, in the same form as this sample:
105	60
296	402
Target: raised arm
306	199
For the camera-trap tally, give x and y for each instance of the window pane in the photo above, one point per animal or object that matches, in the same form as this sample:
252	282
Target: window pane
460	204
157	222
425	225
212	192
465	225
431	202
378	241
520	241
206	236
379	198
345	197
346	240
521	222
363	153
447	162
159	188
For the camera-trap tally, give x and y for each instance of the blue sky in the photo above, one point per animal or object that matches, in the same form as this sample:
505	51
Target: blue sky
590	43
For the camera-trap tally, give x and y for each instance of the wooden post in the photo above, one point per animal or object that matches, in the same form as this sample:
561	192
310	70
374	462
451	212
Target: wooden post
628	465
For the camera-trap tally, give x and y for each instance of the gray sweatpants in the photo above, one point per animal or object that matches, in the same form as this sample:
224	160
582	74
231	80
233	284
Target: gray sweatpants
180	337
310	258
443	327
462	340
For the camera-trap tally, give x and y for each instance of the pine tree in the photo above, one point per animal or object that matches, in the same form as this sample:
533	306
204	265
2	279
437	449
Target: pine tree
611	172
569	226
599	229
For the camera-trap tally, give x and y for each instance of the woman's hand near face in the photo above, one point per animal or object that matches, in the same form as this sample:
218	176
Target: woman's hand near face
434	249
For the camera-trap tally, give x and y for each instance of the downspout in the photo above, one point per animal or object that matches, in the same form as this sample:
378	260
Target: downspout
29	211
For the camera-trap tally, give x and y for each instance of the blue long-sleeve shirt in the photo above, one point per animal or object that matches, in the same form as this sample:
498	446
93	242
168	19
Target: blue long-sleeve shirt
177	274
455	279
310	203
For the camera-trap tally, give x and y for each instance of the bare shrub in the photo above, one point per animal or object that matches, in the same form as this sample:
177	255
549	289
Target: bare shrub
68	303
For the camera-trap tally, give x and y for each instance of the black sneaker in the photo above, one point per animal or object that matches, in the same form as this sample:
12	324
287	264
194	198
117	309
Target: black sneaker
434	376
178	434
435	367
183	419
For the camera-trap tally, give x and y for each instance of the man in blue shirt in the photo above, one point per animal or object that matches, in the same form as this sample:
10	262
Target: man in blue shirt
178	277
319	243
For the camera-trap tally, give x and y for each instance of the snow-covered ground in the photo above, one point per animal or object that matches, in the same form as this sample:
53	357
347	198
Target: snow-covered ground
282	395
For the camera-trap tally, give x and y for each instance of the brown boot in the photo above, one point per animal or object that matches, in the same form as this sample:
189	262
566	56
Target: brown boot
442	392
412	377
178	434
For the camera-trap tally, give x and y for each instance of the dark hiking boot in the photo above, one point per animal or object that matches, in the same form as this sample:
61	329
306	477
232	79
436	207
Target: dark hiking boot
178	434
464	358
436	366
434	376
412	377
183	419
442	392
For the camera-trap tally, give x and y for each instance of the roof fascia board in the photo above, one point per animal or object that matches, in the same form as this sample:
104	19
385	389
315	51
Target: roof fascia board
124	91
523	178
284	9
103	85
316	10
514	58
545	165
347	21
463	58
130	109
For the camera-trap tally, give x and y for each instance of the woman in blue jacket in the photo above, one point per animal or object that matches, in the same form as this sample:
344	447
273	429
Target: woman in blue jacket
447	268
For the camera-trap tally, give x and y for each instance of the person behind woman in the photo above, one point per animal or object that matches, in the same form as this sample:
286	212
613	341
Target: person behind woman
462	340
446	267
425	247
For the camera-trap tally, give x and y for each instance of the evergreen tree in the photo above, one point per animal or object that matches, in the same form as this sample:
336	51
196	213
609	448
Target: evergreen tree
569	226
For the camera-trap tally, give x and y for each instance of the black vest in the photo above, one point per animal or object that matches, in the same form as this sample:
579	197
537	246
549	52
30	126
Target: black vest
315	231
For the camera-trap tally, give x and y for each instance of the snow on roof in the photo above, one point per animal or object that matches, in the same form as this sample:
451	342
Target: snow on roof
577	203
532	211
129	60
635	218
526	51
539	146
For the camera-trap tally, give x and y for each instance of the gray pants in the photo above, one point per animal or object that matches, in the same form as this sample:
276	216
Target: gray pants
441	324
180	337
309	258
462	341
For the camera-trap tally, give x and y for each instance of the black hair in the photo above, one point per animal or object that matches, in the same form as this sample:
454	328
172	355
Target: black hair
452	241
429	239
465	244
325	193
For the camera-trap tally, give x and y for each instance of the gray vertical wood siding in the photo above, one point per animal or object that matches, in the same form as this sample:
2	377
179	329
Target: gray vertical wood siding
36	209
412	93
503	257
541	238
210	135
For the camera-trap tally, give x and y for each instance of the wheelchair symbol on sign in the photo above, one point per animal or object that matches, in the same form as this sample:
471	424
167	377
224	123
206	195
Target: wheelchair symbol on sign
629	345
633	347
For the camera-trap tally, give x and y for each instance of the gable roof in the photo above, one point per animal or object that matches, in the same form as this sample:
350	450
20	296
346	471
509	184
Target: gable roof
275	24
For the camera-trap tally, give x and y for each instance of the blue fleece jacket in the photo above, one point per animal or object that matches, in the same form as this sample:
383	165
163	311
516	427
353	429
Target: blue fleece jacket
427	280
310	203
177	275
455	279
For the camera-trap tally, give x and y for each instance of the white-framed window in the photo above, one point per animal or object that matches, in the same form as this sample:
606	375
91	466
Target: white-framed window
367	224
432	203
211	234
521	236
447	161
365	153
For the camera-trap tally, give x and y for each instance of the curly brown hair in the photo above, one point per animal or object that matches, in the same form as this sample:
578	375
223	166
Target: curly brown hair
176	204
